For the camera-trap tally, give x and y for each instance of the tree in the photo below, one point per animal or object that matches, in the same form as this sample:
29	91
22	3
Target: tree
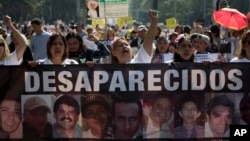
18	9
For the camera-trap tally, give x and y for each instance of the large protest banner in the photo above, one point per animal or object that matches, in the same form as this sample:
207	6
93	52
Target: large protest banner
133	101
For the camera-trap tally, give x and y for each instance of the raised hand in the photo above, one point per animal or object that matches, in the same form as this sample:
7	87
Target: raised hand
153	14
7	20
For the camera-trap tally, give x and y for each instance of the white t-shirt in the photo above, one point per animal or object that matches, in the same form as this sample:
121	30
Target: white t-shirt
65	62
142	57
11	60
236	59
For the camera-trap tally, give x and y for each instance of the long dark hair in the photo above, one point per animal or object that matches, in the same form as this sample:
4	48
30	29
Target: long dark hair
52	38
177	58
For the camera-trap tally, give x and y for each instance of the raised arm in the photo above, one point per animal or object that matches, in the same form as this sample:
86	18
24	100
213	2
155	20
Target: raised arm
103	49
148	41
20	49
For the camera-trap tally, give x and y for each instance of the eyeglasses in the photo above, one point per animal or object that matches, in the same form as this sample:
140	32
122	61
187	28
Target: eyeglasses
1	44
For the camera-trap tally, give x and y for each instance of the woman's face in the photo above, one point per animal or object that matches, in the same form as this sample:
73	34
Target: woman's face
73	45
219	120
58	48
97	118
161	110
189	112
162	46
122	51
173	38
186	50
201	46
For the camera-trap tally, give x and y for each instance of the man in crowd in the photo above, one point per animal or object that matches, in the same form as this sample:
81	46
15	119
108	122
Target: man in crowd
38	41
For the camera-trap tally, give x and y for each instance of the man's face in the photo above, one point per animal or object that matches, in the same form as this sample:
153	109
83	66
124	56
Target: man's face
36	28
126	120
189	112
219	120
142	33
97	117
162	110
73	45
66	116
37	118
10	113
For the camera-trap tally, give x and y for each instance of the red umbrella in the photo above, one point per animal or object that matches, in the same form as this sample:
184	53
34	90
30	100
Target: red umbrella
230	18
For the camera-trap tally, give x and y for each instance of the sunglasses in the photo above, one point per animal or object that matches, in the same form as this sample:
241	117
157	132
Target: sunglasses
2	44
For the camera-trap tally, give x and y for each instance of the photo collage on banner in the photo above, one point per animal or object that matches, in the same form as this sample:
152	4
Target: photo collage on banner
104	106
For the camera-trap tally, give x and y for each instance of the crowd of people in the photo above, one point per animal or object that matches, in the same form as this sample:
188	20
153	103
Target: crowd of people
94	116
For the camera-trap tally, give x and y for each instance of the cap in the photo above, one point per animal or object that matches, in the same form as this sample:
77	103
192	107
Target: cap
136	23
194	36
94	99
88	27
204	38
35	102
142	27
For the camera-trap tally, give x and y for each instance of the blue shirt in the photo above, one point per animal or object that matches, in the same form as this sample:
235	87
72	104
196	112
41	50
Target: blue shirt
38	45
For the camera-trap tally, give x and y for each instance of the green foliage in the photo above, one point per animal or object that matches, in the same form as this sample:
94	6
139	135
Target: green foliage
185	11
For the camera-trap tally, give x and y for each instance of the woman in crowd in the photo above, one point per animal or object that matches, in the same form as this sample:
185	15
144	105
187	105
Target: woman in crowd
244	49
185	50
14	58
122	52
202	44
220	112
172	44
57	51
27	56
162	48
179	29
213	48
